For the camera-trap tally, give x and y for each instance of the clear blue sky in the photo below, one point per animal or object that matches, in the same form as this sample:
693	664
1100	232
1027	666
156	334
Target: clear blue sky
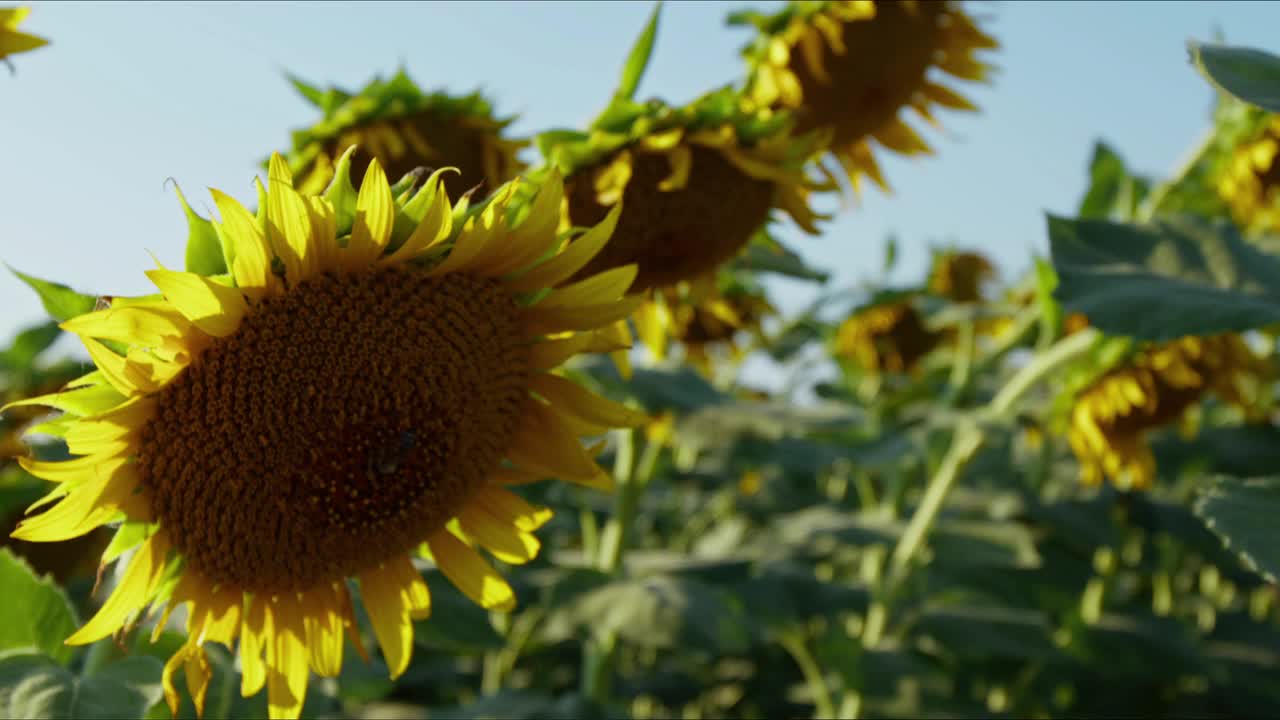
130	94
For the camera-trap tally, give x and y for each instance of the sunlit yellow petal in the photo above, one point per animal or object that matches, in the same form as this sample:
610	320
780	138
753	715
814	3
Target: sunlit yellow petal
470	573
542	321
214	308
570	260
135	589
251	265
375	215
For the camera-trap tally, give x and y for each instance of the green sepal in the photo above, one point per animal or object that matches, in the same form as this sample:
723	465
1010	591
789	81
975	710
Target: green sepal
638	59
60	301
128	536
1050	309
205	254
342	194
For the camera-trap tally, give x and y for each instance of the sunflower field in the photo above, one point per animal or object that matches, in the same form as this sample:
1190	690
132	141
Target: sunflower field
439	421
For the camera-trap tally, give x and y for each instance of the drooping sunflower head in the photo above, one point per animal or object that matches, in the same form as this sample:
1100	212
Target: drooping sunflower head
1249	181
960	276
12	40
405	128
886	337
704	318
1111	418
359	388
697	182
855	66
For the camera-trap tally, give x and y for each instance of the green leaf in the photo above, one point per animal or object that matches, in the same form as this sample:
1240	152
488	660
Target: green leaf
976	632
1244	514
60	301
204	249
28	345
456	625
662	611
1247	74
1175	277
1113	192
776	258
34	686
638	60
35	611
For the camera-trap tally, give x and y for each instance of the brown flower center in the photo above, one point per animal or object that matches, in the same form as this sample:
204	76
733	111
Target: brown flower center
341	424
429	140
673	235
884	64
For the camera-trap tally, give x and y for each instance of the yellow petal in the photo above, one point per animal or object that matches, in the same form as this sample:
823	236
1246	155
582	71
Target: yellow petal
681	159
324	233
86	506
579	402
80	401
545	321
251	265
544	444
322	621
135	589
391	592
536	235
470	573
512	509
472	246
85	469
600	288
288	222
550	354
198	671
214	308
507	543
435	226
653	320
255	631
375	214
287	661
570	260
145	326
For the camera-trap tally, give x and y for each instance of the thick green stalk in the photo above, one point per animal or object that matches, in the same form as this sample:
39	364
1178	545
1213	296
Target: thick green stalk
794	644
965	443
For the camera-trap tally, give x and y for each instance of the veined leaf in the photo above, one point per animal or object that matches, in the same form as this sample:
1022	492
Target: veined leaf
36	613
1175	277
1247	74
1243	513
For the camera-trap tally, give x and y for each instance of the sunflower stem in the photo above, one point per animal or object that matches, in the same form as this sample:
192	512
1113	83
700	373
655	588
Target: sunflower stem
796	647
631	486
968	438
962	362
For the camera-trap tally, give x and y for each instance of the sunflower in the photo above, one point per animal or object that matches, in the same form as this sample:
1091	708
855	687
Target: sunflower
1111	417
960	275
357	390
706	324
13	41
854	65
887	337
405	128
698	183
1249	182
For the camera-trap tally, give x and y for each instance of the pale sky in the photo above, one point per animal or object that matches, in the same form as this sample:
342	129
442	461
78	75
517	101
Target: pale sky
129	94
